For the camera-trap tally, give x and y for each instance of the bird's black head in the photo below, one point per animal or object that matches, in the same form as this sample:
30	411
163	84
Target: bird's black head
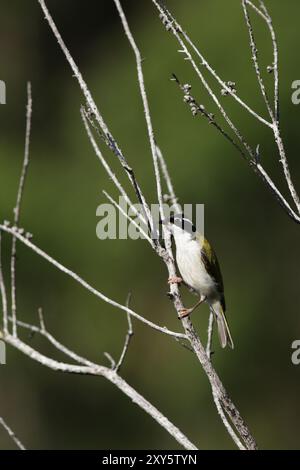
181	222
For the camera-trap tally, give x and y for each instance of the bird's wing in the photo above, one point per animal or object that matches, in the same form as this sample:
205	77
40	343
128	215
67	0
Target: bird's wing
212	266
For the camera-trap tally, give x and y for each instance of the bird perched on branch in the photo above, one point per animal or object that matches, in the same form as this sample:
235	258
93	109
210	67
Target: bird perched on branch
200	271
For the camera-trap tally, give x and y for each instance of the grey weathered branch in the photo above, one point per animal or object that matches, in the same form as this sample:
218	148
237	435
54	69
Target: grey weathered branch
210	334
148	119
18	206
132	221
224	85
86	119
109	374
254	52
226	423
128	338
251	158
274	114
172	198
11	434
3	292
185	42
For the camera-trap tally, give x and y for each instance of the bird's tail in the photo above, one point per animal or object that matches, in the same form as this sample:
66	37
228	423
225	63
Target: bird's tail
223	328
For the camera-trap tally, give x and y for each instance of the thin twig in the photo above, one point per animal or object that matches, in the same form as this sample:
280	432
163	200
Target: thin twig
254	51
41	319
3	292
110	360
257	10
59	346
226	423
132	221
166	175
275	60
18	207
128	337
107	168
85	284
253	162
210	333
199	109
143	93
175	30
210	69
274	115
267	18
11	434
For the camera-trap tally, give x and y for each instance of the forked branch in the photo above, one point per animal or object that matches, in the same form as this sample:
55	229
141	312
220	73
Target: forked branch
188	49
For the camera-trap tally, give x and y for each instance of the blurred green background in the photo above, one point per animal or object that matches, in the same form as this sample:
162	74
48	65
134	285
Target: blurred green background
257	244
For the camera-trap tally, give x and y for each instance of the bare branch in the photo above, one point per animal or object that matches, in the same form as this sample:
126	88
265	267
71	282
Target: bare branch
132	221
103	161
18	207
173	200
217	386
274	116
143	93
128	337
204	62
87	286
257	10
276	129
267	18
94	370
3	292
110	360
275	60
254	51
172	25
198	109
42	321
210	333
85	118
11	434
221	413
59	346
113	377
227	425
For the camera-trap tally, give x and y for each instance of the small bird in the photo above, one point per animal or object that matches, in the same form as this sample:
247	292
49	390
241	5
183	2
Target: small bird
200	271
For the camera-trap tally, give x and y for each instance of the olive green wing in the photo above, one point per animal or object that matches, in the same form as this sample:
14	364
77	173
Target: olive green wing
212	266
